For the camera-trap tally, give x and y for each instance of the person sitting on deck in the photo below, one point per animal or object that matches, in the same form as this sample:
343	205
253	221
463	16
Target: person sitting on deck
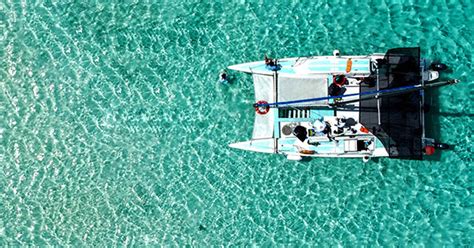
327	131
337	87
271	64
269	61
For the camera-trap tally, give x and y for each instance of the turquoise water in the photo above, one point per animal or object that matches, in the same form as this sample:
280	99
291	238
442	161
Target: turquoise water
114	131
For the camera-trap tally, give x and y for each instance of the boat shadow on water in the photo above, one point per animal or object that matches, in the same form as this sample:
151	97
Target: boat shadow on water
433	120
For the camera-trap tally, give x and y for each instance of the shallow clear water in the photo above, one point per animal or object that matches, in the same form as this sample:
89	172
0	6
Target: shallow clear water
114	131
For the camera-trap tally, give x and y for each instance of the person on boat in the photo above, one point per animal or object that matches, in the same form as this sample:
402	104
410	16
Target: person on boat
328	131
337	87
271	64
269	61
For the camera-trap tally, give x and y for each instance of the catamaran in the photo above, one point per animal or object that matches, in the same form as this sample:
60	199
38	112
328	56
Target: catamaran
343	106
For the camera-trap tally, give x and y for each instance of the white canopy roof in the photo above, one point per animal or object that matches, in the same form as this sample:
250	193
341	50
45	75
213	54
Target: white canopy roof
297	88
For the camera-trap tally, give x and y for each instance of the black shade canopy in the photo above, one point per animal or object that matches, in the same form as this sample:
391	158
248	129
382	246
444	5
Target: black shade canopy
400	128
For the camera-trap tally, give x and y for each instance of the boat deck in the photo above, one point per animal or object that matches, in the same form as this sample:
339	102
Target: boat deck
299	95
341	139
310	65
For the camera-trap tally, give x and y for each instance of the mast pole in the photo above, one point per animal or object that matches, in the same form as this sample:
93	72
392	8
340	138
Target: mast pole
377	96
275	98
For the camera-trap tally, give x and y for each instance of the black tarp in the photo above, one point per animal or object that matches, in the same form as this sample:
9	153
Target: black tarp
400	128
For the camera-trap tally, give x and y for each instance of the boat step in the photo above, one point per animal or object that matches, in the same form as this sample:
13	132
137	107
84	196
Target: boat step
293	113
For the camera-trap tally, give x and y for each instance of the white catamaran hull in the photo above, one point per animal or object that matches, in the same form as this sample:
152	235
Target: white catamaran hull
298	114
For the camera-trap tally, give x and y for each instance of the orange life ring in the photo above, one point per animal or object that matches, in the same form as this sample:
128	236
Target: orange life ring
261	110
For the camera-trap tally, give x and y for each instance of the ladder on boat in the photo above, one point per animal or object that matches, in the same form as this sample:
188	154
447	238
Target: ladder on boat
293	113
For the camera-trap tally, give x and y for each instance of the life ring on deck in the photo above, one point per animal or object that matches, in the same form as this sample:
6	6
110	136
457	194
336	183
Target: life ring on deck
261	110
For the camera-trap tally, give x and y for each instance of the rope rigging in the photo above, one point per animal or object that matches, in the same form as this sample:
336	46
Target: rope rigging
375	94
